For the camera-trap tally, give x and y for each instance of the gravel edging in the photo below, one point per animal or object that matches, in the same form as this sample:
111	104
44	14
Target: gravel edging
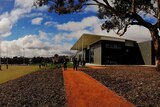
38	89
139	85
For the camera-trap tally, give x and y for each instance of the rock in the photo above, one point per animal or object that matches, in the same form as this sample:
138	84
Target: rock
139	85
35	89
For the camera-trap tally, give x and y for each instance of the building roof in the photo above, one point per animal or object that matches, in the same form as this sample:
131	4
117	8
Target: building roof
88	39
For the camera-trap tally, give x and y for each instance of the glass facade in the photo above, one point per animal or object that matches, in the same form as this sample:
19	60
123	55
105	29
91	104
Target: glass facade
113	46
91	55
114	52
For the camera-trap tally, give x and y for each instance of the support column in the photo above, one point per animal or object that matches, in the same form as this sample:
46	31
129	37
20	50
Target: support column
82	50
0	57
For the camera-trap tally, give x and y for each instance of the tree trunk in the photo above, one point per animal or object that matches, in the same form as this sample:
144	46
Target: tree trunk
158	55
156	43
158	64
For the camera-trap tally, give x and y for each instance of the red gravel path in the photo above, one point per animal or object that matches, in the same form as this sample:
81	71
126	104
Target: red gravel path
84	91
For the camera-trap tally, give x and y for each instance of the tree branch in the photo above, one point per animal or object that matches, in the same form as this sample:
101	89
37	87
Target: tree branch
100	4
90	4
107	6
124	31
141	21
136	23
133	6
106	1
158	15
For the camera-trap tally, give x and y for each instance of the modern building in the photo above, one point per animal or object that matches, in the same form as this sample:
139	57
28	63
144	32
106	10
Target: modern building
107	50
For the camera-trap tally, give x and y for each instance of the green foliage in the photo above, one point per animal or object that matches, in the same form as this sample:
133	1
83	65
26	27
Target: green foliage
70	65
120	14
62	6
117	14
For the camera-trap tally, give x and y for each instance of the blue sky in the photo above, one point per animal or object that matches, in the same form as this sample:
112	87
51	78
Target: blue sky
44	34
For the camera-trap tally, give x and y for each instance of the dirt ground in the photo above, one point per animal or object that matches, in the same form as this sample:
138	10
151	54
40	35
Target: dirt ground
84	91
137	84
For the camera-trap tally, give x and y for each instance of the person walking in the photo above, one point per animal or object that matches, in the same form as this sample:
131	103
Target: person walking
75	64
65	63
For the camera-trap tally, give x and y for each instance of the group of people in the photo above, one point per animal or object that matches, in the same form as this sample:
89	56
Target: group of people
75	63
64	61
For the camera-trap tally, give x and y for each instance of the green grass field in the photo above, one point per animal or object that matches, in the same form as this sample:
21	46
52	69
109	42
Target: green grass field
15	71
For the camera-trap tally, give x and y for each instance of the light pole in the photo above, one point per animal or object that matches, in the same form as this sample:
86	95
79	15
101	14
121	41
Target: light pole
23	56
0	57
7	57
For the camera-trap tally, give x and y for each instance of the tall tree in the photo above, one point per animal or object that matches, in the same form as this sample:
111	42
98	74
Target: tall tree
118	15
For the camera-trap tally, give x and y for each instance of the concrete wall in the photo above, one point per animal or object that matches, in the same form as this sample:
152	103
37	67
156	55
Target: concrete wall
146	52
129	43
97	53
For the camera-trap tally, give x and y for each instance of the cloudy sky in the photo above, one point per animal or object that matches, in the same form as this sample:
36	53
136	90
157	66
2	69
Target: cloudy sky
26	30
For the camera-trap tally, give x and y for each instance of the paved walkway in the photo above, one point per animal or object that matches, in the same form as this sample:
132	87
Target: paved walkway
84	91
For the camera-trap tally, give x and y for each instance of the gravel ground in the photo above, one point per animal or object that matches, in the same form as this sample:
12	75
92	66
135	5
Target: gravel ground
39	89
139	85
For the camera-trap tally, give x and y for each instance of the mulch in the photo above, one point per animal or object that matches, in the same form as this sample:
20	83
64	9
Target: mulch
38	89
137	84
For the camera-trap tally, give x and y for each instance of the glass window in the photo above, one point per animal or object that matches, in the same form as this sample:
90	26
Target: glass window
113	46
91	55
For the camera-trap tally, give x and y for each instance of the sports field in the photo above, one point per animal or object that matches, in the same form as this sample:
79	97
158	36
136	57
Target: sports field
15	71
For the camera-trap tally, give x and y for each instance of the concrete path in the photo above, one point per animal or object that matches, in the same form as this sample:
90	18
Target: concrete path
84	91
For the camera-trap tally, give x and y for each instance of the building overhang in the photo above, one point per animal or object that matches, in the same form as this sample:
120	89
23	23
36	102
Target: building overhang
88	39
85	41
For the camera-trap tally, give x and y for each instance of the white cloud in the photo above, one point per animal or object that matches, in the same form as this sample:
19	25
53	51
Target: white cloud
33	15
34	45
76	26
37	21
92	25
5	25
138	33
31	43
50	23
6	34
43	35
42	8
24	3
8	19
91	9
86	25
77	35
59	37
67	37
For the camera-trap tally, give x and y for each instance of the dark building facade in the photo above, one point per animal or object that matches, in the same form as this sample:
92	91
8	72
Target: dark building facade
106	50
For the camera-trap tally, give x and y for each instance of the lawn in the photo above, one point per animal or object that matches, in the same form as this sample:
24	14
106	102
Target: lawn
15	71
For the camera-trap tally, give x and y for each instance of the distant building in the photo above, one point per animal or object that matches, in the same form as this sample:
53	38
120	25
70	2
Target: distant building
104	50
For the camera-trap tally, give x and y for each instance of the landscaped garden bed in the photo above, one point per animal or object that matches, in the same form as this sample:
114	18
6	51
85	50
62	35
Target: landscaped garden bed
137	84
43	88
